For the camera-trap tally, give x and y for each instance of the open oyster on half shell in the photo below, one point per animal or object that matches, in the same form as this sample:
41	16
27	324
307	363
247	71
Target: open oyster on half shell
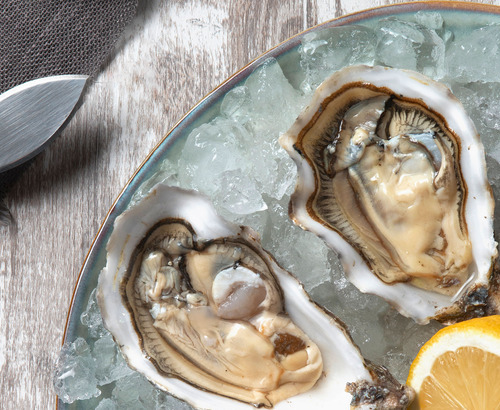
205	313
392	175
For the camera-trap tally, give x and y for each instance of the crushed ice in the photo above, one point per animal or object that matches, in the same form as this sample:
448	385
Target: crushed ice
236	160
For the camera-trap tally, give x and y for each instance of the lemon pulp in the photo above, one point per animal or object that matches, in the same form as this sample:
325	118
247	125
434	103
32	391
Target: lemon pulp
468	378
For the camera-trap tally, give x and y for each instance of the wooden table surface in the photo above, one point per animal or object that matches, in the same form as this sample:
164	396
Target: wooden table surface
173	54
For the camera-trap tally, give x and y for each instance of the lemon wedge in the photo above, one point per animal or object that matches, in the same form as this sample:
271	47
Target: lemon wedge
459	367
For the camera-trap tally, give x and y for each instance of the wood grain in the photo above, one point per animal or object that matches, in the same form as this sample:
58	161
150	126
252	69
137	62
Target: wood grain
173	54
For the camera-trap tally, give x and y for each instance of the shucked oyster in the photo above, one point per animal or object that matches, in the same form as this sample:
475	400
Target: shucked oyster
392	175
198	307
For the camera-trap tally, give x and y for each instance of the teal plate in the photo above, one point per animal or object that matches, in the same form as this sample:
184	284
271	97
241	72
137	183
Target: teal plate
459	17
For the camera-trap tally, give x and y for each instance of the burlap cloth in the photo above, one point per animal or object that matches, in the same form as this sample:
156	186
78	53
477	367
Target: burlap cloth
39	38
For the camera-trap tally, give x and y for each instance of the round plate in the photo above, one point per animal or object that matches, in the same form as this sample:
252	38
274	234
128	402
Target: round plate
461	17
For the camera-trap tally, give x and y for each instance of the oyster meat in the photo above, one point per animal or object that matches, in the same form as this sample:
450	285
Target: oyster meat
392	175
200	309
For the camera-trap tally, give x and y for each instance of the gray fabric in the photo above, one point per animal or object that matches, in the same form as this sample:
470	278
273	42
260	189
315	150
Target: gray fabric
41	38
49	37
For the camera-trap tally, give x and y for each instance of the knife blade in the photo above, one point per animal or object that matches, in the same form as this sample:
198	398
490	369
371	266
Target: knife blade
32	113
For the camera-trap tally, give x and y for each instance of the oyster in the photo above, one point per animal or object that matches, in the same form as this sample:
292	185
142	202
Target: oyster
392	175
198	307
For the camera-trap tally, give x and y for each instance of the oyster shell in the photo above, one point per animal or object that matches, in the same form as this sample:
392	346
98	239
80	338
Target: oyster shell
198	307
392	175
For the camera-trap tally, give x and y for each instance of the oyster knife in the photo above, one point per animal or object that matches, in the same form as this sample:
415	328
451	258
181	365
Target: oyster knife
32	113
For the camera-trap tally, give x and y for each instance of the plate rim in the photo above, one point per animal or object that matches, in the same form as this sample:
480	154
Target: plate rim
197	110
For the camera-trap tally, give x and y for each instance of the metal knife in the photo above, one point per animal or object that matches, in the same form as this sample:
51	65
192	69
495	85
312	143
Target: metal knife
32	113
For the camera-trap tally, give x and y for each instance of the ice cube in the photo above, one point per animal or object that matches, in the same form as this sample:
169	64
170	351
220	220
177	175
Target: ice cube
236	105
403	338
485	104
237	193
165	174
430	19
325	51
167	402
91	317
493	167
110	365
257	221
211	150
397	51
274	102
136	392
434	20
285	178
107	404
294	249
403	44
415	336
272	169
275	172
475	56
398	364
74	378
480	100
